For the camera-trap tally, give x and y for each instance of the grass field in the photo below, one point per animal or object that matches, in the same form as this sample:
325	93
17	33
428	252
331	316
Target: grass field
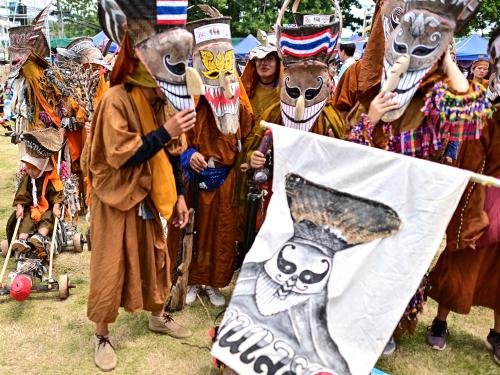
46	336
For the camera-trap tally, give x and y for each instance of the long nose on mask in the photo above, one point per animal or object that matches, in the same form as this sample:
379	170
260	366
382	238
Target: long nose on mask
299	108
194	83
396	72
226	81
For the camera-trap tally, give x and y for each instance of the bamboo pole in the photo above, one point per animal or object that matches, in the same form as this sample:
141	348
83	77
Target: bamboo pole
9	251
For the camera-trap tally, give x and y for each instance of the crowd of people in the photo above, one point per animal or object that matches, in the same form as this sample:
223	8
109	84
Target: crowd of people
167	124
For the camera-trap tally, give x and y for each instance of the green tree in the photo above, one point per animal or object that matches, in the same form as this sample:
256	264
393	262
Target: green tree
80	18
250	15
487	17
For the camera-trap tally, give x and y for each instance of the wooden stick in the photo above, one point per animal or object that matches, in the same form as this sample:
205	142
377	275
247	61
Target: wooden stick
9	251
52	244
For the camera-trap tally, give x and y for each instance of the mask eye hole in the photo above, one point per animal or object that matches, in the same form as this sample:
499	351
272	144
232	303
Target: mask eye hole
310	94
293	92
422	51
178	69
400	48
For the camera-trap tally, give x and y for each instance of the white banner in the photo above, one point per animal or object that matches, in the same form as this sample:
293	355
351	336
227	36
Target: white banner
349	234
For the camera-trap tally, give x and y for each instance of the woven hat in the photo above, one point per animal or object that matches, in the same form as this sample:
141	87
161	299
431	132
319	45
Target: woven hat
335	220
43	143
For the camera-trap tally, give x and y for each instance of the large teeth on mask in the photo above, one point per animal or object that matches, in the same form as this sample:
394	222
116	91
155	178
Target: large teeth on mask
311	114
177	95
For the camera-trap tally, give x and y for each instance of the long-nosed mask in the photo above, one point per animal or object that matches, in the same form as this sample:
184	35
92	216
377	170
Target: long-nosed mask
417	43
493	91
156	30
213	58
305	49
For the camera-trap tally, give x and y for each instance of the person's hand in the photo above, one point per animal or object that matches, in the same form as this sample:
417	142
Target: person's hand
19	211
383	103
56	210
456	79
181	122
198	162
331	134
181	215
257	160
88	126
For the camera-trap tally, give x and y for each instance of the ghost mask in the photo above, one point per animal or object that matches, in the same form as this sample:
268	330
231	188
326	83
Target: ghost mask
156	31
213	58
305	50
417	43
493	91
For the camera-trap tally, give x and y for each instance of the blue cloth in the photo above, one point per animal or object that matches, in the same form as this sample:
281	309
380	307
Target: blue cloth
210	178
452	150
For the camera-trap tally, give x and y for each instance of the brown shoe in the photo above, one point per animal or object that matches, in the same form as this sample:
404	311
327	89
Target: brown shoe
105	356
166	324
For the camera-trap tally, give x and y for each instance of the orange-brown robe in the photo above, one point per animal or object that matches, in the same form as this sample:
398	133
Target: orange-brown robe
129	265
467	274
218	221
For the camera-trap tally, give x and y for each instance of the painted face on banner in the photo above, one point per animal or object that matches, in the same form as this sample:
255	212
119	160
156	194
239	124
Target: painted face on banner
165	55
493	91
215	63
412	48
295	273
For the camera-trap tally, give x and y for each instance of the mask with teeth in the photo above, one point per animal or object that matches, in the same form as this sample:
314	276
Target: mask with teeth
26	41
161	43
306	50
416	44
213	58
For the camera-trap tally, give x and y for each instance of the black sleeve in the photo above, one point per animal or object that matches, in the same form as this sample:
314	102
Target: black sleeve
176	167
151	144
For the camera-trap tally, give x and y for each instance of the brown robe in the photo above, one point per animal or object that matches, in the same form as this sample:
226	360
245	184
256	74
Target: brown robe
129	266
468	275
218	221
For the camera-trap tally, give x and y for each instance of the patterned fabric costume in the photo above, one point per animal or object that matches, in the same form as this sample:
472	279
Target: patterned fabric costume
430	116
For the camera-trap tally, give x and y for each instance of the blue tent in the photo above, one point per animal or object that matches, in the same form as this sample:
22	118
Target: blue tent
472	48
100	41
246	45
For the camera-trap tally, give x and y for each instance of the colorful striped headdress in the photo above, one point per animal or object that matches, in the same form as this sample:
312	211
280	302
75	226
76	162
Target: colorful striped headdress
311	37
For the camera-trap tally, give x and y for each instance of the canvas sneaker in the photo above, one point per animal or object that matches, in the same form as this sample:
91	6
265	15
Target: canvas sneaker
166	324
437	333
390	348
191	293
20	246
105	356
493	343
215	296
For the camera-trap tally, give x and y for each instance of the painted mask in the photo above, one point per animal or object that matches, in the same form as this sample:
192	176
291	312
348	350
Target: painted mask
493	91
83	50
391	12
24	42
306	50
213	58
417	43
162	44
